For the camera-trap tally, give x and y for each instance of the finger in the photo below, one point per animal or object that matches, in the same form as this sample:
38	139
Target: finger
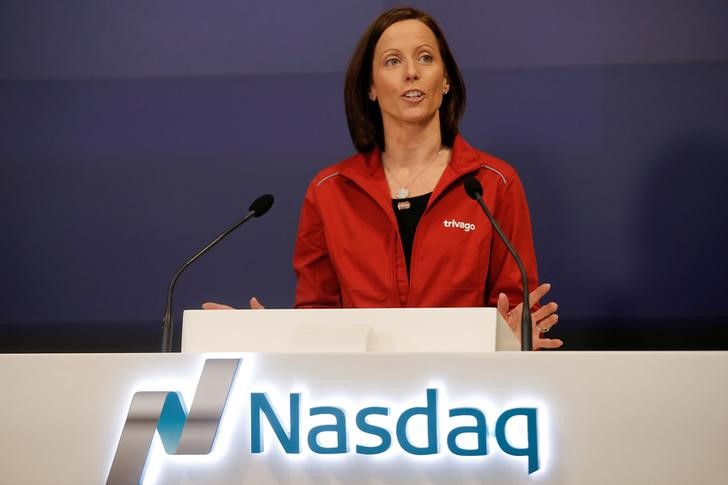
255	304
544	311
547	343
503	305
546	324
538	293
211	305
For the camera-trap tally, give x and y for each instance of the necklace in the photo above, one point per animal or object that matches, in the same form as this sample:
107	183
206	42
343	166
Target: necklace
403	192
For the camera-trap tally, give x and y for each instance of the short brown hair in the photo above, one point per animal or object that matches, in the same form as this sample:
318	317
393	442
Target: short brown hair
363	116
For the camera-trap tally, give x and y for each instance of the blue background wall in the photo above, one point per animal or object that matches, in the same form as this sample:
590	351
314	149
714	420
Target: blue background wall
133	132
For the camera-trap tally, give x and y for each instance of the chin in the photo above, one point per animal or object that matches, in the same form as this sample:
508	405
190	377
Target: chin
418	118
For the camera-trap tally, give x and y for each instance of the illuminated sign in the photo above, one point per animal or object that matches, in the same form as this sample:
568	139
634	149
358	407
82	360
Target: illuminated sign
426	427
181	433
261	408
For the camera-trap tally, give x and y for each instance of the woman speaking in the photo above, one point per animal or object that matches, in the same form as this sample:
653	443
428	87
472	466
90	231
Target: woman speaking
391	226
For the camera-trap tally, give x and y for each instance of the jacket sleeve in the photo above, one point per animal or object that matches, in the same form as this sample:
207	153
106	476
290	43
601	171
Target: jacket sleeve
317	285
511	212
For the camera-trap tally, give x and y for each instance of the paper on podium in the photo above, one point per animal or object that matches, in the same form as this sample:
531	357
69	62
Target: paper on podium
347	330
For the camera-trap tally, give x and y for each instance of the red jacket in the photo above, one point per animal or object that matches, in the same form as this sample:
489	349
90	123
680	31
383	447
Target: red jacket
349	252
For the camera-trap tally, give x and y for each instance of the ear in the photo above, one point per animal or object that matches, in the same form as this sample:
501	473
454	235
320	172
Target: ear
445	86
372	94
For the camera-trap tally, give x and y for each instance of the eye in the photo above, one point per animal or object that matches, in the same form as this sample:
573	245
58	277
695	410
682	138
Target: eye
392	61
426	58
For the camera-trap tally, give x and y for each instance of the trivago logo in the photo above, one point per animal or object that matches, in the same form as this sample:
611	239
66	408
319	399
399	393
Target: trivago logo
383	431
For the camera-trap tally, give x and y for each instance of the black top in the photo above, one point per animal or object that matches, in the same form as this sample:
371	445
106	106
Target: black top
409	212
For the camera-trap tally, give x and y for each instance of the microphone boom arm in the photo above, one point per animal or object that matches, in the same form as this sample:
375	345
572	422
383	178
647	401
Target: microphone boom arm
260	206
167	321
475	191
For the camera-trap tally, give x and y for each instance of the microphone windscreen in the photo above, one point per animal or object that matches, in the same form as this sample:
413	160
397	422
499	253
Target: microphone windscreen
473	188
261	205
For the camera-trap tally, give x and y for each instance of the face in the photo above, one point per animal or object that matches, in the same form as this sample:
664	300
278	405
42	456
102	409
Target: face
408	74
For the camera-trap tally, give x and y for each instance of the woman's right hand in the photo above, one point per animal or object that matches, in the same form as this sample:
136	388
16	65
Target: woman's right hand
211	305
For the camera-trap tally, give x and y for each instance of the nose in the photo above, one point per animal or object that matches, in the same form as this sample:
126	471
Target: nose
413	72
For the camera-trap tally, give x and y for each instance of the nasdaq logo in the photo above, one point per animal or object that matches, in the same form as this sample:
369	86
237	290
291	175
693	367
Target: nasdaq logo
181	433
325	429
378	438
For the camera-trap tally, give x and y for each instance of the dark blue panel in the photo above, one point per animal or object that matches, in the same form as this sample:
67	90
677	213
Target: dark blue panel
109	185
614	113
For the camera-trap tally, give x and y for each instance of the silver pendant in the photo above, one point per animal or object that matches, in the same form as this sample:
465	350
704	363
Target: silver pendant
402	193
404	205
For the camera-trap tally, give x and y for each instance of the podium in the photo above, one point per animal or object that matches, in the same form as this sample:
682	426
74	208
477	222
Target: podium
348	330
365	417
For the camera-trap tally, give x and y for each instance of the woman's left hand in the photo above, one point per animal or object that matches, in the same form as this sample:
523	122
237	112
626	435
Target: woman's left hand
543	319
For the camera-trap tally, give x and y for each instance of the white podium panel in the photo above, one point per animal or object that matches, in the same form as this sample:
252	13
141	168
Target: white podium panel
347	330
368	418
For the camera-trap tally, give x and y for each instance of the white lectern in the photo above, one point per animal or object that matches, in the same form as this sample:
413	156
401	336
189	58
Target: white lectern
347	330
362	400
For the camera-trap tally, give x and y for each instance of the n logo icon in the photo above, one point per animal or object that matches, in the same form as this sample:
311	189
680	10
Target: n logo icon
181	433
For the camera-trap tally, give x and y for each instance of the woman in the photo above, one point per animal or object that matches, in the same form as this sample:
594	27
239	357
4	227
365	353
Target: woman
392	226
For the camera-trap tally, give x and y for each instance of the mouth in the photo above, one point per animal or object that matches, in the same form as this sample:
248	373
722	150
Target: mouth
413	95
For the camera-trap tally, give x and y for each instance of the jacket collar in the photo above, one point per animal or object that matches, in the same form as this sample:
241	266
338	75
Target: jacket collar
464	159
366	170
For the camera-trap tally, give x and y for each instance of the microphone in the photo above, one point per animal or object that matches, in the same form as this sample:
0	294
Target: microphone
475	191
260	206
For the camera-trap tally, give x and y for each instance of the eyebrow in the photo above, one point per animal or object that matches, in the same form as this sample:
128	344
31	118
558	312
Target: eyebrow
421	46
